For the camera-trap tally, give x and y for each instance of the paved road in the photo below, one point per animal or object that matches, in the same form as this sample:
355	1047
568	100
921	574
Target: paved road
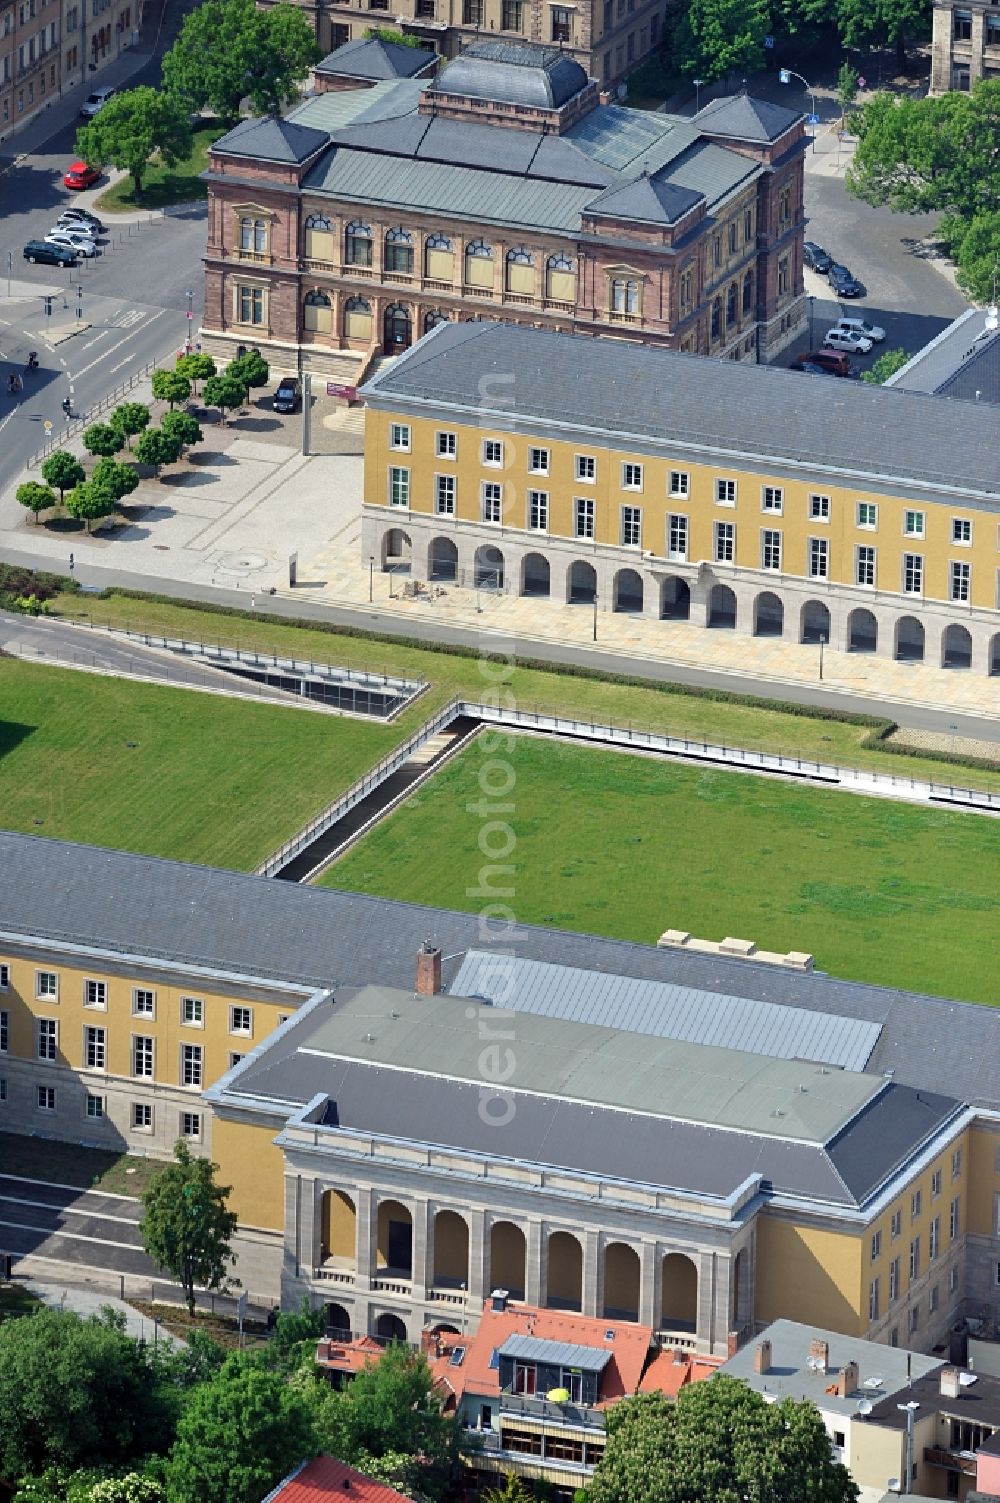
948	721
72	1226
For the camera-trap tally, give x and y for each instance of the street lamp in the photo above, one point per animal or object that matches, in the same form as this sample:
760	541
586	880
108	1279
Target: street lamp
190	316
909	1410
595	615
785	75
371	578
822	644
698	82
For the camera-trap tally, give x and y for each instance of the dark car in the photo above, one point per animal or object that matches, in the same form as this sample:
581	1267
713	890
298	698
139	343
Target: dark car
815	256
843	283
288	397
812	369
82	216
831	362
49	255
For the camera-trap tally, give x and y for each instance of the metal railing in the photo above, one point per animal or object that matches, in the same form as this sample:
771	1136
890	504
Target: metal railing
76	425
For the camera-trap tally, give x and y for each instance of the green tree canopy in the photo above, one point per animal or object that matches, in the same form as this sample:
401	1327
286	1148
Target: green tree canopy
719	1443
170	386
975	247
874	23
227	392
36	497
89	501
196	367
130	128
155	447
102	438
186	1228
715	37
252	369
130	418
228	51
74	1393
120	479
391	1407
240	1433
390	34
885	366
184	427
63	470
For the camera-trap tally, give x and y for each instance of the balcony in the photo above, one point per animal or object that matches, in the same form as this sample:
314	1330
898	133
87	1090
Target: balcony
259	258
392	1284
558	305
530	1407
439	1296
350	269
623	318
331	1273
486	292
432	284
954	1461
520	299
405	277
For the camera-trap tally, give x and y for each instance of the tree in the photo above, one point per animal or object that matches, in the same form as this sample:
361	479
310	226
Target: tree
35	497
975	248
130	418
119	479
885	366
720	1441
182	426
228	50
63	470
252	369
74	1393
156	447
876	23
170	386
195	367
391	1407
227	392
238	1436
715	37
101	438
187	1228
87	502
847	89
389	34
130	128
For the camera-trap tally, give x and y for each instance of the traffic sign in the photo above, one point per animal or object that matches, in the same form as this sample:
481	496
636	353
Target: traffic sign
862	83
190	314
812	119
769	42
47	425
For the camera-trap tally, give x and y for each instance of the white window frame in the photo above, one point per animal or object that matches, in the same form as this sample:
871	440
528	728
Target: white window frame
237	1032
960	580
585	468
819	508
724	542
536	466
399	437
818	549
4	1031
446	444
770	546
193	1065
399	482
632	476
772	500
492	453
145	1110
94	1108
961	532
47	1029
584	518
679	483
631	526
912	568
4	976
45	1098
956	1164
918	519
678	537
143	1054
876	1247
723	486
192	1131
896	1225
861	552
95	994
874	1290
95	1048
144	1012
866	509
490	505
3	1090
538	504
235	1059
196	1007
445	495
44	993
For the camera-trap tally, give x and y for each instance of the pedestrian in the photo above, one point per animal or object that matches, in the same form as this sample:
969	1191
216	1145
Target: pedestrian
253	602
72	563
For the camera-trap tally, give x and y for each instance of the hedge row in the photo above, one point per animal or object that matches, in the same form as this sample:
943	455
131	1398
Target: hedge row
17	582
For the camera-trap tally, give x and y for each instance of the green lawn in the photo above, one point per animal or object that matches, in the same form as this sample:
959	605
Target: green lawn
625	846
163	185
167	771
70	1164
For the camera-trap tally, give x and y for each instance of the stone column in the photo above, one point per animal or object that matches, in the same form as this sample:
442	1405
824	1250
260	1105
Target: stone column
535	1271
978	44
367	1231
981	638
593	1274
478	1272
293	1231
311	1224
707	1279
701	588
422	1248
649	1294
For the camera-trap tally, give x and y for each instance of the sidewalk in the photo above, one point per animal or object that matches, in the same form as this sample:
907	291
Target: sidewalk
86	1302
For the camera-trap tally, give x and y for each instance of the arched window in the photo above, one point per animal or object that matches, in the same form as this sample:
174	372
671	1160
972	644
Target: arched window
479	264
399	251
318	238
520	271
433	318
716	317
317	312
731	301
560	279
439	258
253	235
624	295
358	244
748	292
358	318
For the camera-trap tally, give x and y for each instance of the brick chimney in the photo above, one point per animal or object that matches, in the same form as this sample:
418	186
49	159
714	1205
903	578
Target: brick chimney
430	1344
498	1300
428	982
951	1386
762	1357
819	1353
732	1343
848	1379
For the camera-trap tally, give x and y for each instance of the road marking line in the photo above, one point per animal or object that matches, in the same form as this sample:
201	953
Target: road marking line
55	1184
126	361
16	1226
112	348
67	1210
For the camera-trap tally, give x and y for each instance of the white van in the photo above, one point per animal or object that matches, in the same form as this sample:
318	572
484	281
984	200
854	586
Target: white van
861	326
847	339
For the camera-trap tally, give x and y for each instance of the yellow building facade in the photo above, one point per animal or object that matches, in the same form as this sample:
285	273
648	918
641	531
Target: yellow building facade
504	477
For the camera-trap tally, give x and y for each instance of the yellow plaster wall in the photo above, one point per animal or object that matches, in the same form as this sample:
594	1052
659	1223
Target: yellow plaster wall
808	1274
250	1161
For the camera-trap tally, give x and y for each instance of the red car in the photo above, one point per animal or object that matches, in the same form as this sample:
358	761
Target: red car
79	175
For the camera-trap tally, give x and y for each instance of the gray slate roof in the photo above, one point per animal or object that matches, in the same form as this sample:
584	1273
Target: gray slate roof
272	140
375	59
664	1011
648	200
691	406
740	116
513	73
591	1359
963	361
240	925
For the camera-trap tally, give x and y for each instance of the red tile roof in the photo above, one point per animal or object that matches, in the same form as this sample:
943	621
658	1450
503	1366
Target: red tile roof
327	1479
671	1370
629	1348
347	1356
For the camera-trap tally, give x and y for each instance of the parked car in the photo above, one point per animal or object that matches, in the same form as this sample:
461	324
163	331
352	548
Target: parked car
812	369
847	339
815	256
49	255
831	360
95	102
843	282
79	175
862	326
73	215
288	397
82	244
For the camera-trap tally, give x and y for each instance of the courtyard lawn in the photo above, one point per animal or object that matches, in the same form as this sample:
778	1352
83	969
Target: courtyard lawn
71	1164
744	724
626	846
167	771
163	186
